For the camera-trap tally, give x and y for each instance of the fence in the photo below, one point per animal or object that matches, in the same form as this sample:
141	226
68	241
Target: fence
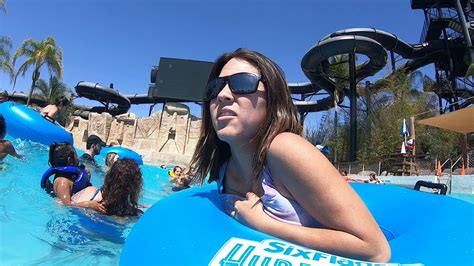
425	166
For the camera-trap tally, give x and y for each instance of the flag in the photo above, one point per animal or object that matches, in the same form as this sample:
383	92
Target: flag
404	132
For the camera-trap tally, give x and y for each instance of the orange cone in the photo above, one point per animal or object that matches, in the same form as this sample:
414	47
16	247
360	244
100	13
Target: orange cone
438	169
463	170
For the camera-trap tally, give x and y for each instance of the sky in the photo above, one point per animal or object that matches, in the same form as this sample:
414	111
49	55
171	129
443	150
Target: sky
118	42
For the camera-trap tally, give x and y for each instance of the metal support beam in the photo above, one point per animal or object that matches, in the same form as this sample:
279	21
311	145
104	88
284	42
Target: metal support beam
465	30
392	60
151	109
353	110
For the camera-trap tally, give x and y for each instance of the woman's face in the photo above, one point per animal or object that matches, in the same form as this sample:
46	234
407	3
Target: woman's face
236	117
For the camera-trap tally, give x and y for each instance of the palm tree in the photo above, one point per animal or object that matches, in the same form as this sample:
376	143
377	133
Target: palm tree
39	53
52	90
5	62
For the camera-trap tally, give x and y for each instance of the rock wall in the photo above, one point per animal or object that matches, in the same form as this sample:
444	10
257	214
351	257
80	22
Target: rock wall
166	137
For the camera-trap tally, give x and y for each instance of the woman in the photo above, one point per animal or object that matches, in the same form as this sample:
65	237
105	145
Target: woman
275	181
69	176
123	184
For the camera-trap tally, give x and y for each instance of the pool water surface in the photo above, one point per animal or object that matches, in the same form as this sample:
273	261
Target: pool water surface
34	228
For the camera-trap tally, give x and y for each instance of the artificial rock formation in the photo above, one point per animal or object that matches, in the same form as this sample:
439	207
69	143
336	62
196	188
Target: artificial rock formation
169	136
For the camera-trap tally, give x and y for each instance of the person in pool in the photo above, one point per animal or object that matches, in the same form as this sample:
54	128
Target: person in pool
123	184
63	158
4	96
51	111
373	179
94	145
270	177
110	159
175	174
6	147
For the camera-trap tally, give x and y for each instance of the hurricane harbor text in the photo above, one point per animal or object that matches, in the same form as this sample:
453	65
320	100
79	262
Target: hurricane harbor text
239	251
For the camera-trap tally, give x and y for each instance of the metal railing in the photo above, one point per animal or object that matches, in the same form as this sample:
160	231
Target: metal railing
433	14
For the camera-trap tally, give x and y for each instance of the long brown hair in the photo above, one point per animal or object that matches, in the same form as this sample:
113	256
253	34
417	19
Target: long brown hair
282	116
122	186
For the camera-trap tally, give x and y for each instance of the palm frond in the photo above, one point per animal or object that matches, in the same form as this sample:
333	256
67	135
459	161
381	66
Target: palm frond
52	90
37	54
55	63
28	49
22	69
7	67
44	89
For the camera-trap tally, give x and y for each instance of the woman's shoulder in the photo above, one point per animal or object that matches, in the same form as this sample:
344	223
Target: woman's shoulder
286	142
288	151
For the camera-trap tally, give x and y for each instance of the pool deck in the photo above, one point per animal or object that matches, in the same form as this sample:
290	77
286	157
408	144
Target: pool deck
460	184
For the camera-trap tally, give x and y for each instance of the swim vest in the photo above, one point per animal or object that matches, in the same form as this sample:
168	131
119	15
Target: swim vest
80	177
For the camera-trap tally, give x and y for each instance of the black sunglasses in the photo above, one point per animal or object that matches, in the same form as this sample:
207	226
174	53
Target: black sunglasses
239	83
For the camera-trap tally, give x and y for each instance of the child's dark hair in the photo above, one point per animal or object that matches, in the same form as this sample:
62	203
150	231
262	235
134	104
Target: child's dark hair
3	127
60	153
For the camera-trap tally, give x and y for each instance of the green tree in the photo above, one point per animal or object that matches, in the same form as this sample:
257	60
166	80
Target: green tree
380	113
52	90
338	70
39	53
5	59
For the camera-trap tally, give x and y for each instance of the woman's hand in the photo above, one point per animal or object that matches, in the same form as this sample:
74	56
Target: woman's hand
95	205
248	211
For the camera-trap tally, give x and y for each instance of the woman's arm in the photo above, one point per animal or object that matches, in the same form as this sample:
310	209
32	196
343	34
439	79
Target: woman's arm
302	173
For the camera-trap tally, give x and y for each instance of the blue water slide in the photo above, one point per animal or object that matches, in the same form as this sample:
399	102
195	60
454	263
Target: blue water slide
190	228
27	124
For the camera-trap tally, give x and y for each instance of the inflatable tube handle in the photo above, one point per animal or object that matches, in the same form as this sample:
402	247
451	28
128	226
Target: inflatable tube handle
46	175
442	187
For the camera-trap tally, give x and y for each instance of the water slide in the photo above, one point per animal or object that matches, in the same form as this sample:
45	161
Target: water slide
370	42
113	101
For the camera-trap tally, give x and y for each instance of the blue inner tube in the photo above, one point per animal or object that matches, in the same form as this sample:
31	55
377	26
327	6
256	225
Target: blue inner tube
189	227
123	153
25	123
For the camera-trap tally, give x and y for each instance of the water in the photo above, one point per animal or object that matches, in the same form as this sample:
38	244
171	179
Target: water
466	197
34	228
